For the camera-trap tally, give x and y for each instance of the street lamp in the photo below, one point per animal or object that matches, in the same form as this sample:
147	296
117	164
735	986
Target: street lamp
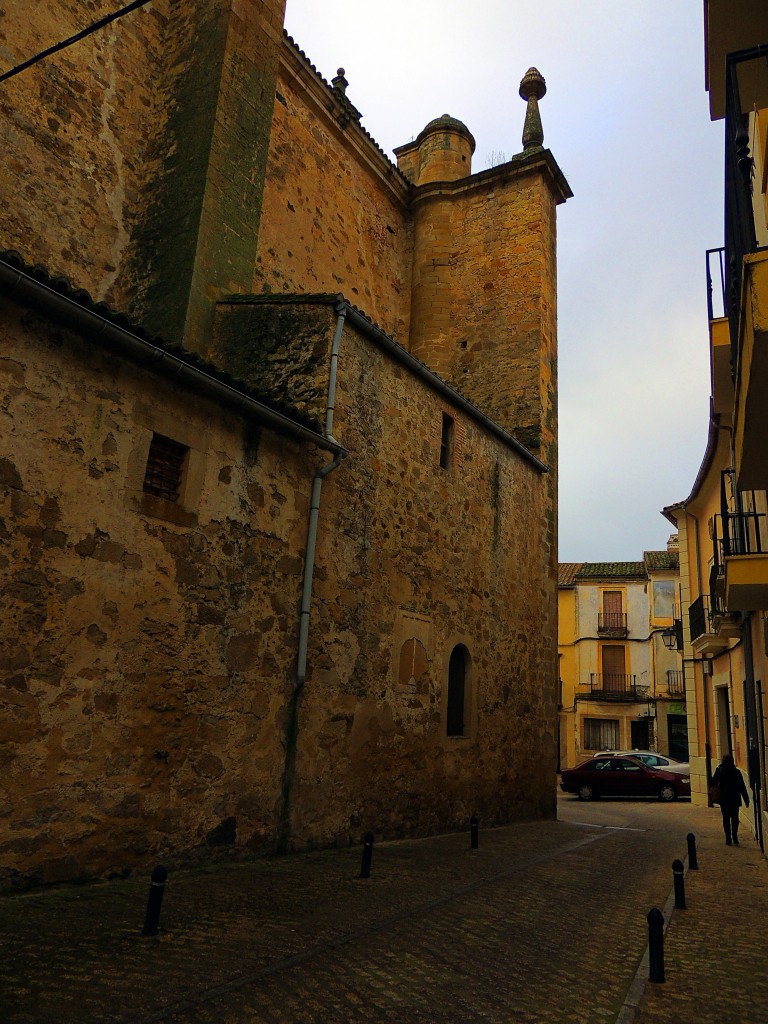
669	638
672	636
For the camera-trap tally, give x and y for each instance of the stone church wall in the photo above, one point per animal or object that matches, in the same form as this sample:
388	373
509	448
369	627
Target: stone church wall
145	661
148	651
335	215
414	559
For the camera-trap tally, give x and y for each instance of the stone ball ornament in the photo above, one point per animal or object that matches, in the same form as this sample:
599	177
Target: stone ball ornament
533	85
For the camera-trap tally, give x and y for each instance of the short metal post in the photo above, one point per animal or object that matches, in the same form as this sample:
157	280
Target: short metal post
656	945
365	867
693	863
473	825
155	900
678	875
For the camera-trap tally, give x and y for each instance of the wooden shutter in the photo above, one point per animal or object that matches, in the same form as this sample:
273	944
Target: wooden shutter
614	669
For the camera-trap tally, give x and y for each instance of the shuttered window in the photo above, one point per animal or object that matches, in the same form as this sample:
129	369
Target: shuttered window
614	668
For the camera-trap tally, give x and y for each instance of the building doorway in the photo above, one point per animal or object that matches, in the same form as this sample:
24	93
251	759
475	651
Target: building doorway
677	729
640	734
723	708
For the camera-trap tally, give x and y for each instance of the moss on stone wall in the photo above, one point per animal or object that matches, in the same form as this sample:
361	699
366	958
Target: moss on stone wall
280	349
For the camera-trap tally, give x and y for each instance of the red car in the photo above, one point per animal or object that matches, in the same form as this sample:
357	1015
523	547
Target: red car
622	776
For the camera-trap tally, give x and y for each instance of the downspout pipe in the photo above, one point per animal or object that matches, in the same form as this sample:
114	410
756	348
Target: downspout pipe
314	508
292	726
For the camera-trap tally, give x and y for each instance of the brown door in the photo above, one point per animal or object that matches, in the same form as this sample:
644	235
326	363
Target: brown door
614	669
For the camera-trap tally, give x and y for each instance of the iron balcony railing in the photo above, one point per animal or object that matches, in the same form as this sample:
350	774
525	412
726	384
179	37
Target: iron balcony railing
616	686
716	283
675	682
700	617
740	235
612	622
744	533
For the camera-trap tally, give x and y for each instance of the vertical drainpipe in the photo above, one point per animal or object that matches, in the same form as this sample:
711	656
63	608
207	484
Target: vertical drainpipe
292	726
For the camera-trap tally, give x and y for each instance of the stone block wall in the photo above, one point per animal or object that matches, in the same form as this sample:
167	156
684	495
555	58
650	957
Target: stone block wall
137	155
414	559
484	296
335	215
81	134
145	657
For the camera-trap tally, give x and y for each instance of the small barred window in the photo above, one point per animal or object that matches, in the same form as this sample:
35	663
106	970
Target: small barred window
165	468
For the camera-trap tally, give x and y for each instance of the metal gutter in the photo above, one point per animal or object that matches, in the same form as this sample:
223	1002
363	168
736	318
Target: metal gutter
19	285
396	350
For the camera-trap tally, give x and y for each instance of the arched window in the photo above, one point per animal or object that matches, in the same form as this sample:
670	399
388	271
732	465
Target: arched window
457	692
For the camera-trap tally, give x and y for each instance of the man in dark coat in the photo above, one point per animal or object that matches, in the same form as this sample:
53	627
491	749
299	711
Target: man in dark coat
732	790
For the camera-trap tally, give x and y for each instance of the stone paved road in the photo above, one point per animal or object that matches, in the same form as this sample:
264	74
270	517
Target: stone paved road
545	923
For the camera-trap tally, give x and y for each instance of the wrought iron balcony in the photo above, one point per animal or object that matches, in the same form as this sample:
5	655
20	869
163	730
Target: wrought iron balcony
739	575
711	626
716	305
740	234
616	686
744	533
612	623
700	617
675	683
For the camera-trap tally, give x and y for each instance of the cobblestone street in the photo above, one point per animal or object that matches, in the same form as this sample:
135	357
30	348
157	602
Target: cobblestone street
544	923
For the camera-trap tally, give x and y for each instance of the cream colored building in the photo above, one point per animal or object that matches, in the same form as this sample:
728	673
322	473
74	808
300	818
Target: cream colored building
621	686
722	522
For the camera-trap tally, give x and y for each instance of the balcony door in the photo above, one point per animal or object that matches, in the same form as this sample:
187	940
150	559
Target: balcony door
613	617
614	668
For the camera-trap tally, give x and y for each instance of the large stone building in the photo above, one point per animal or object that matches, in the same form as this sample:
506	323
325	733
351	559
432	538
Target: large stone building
622	682
723	521
277	457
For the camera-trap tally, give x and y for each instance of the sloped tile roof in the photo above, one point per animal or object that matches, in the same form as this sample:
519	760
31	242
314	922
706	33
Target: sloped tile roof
661	560
566	573
611	570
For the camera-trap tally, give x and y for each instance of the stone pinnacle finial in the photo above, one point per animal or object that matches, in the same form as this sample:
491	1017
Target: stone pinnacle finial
340	83
532	88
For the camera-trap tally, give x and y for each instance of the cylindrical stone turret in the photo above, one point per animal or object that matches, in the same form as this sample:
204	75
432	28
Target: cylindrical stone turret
441	152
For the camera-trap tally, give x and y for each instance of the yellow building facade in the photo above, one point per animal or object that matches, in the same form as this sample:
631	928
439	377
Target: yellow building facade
621	687
722	523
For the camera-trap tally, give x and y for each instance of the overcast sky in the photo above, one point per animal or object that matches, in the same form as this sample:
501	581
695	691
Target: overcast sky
626	117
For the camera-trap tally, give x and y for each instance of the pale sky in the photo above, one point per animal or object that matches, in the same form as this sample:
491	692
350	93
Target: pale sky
626	118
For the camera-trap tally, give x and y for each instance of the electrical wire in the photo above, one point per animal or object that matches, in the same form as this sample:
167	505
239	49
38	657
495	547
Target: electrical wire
94	27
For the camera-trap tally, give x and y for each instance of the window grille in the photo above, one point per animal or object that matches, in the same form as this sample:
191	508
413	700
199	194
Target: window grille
165	468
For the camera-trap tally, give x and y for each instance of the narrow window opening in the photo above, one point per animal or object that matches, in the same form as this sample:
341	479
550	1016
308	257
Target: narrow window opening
457	682
446	442
165	468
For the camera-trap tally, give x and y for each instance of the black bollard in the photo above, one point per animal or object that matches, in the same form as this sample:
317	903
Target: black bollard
155	900
693	863
656	945
677	873
365	867
473	841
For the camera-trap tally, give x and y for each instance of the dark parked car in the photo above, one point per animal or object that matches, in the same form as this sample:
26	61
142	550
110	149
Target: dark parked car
622	776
